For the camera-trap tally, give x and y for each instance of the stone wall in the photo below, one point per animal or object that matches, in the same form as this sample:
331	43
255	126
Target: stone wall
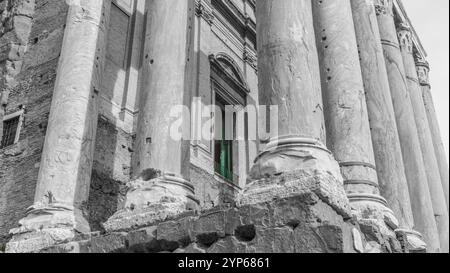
111	173
210	191
301	224
31	34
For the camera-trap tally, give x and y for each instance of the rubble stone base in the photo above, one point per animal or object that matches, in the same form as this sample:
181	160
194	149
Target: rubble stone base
296	224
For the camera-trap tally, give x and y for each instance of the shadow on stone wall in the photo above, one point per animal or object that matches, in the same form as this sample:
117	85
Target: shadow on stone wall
33	90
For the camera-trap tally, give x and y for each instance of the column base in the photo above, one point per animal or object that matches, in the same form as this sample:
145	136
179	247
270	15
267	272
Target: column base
152	202
292	166
374	208
412	241
46	226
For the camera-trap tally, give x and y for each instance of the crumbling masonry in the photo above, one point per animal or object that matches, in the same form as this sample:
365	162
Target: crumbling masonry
88	161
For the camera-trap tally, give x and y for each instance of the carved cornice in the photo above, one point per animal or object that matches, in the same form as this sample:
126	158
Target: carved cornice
229	71
204	10
405	37
250	58
238	23
401	16
384	7
252	3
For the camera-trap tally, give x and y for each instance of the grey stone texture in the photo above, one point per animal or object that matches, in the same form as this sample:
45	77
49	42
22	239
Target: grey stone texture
26	81
296	159
418	202
346	114
96	82
160	164
386	143
423	70
426	140
66	164
301	224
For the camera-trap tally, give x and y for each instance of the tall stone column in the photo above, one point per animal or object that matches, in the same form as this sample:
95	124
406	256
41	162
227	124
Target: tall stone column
423	70
66	164
426	140
419	201
346	114
160	189
386	142
296	159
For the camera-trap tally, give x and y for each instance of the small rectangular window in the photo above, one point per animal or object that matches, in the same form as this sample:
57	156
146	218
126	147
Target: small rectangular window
223	156
11	130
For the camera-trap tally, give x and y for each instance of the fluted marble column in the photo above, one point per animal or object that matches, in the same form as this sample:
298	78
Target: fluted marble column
346	115
426	140
418	202
161	162
66	164
296	159
386	143
423	70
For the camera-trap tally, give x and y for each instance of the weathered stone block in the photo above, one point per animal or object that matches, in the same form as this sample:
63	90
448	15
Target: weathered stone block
115	242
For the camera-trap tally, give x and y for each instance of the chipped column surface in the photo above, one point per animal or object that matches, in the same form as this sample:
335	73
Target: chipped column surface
348	129
386	143
414	197
160	188
423	71
288	67
289	77
426	140
64	177
166	58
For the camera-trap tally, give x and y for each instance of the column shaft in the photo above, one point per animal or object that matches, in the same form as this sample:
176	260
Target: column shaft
289	78
418	202
166	57
161	163
346	114
423	71
426	140
386	143
289	68
65	171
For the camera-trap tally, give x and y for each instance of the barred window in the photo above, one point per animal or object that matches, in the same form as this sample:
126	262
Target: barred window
11	130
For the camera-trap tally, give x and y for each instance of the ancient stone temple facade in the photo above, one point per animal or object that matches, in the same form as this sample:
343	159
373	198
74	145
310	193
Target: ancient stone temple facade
300	126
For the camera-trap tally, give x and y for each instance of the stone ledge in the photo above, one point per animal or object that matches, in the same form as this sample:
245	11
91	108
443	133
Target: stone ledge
300	224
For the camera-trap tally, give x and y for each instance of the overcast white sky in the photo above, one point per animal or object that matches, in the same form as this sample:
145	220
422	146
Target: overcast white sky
430	18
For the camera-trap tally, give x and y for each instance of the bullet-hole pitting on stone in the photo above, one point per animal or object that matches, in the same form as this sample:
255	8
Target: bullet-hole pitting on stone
293	224
245	233
207	239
